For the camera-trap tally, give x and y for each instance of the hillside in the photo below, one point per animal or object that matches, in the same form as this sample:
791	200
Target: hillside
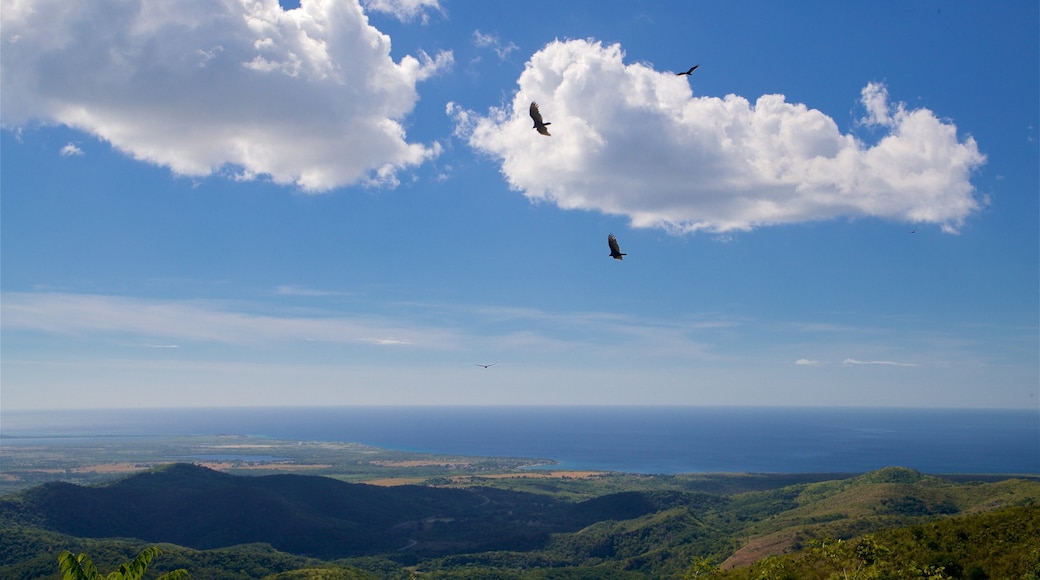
1004	543
311	519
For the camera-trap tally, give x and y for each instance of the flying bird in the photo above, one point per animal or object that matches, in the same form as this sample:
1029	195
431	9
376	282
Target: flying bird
615	250
486	366
689	72
538	124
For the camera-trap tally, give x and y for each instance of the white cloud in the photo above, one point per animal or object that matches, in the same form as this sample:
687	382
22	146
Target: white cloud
404	10
80	314
874	97
629	140
293	290
308	96
808	362
852	361
70	150
492	41
146	321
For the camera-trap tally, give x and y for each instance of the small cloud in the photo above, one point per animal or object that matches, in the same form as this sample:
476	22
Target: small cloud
807	362
874	98
291	290
483	40
852	361
389	341
207	55
494	43
465	119
404	10
430	66
71	150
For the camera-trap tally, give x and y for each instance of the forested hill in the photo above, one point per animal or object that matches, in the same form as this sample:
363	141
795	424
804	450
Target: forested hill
656	526
197	507
317	516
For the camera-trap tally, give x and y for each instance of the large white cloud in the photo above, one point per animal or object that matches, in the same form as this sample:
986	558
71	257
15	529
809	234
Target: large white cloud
308	96
629	140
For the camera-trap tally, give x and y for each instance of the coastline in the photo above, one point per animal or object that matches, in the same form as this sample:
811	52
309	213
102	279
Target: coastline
618	439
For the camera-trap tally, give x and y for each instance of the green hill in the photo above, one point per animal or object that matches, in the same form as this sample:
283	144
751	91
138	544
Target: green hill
277	524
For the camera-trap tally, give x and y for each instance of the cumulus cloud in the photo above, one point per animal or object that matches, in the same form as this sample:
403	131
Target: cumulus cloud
629	140
70	150
309	96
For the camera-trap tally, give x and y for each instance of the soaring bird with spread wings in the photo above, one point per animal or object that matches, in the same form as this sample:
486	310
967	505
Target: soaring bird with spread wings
538	124
689	72
615	249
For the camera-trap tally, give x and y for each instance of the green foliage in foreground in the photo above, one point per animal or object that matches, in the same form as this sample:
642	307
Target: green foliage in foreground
81	567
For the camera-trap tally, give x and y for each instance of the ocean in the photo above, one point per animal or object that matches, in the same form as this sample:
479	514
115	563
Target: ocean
660	440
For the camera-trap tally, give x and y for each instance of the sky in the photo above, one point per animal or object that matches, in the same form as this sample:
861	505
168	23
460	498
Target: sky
247	203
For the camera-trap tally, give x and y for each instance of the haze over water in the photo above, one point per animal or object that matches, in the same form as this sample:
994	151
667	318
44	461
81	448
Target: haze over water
629	439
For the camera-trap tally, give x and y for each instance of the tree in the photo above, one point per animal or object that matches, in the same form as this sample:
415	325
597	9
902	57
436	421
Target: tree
701	567
82	567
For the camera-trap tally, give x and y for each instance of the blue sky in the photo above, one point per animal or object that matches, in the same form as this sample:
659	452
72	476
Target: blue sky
345	204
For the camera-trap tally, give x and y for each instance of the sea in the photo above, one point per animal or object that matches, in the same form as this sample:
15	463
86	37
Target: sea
650	440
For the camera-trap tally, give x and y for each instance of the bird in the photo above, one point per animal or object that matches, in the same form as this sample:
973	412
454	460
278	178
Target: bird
689	72
913	231
538	124
485	366
615	250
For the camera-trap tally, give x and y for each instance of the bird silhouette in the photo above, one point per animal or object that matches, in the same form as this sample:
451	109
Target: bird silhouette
615	250
486	366
538	124
689	72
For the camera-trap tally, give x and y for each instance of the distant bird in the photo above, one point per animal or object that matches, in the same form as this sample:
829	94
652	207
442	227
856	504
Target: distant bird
486	366
615	250
538	124
689	72
913	231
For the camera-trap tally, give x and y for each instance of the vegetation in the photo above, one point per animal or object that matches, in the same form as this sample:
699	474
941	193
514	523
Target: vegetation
1004	543
82	567
884	524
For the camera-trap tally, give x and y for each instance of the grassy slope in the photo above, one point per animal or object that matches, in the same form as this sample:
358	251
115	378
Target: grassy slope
1003	543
